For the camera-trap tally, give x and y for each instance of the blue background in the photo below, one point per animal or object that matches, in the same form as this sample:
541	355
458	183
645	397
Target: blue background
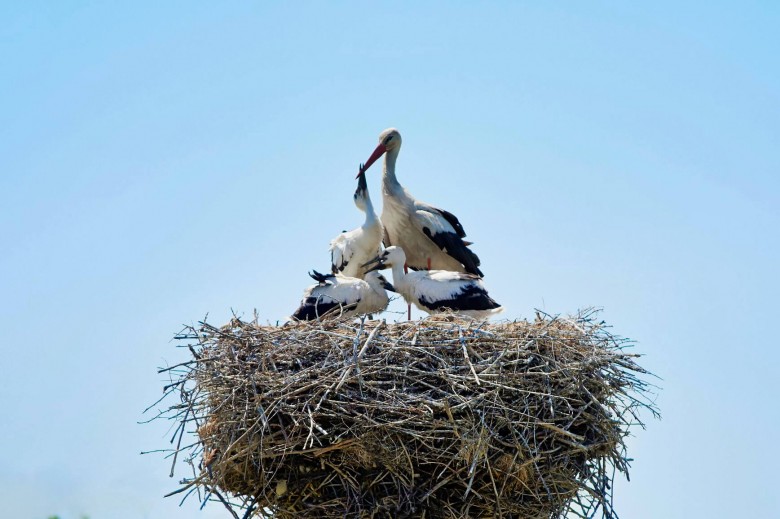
164	160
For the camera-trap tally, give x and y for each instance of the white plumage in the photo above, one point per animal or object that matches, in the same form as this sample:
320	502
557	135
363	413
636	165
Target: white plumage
425	232
336	295
436	291
351	249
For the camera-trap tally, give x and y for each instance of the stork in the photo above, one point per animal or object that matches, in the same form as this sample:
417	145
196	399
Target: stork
431	237
436	291
351	249
336	295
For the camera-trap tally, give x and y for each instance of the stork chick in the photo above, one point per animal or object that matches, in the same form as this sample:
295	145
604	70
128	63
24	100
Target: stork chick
351	249
436	291
336	295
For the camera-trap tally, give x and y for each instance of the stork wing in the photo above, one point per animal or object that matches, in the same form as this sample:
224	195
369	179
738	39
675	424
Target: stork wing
312	308
444	229
340	252
453	290
334	295
451	219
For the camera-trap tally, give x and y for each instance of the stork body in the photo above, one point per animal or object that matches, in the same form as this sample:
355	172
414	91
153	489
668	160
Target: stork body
336	295
431	237
436	291
351	249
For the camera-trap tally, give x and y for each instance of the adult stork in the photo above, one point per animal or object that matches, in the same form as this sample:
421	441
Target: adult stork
436	291
335	295
351	249
431	237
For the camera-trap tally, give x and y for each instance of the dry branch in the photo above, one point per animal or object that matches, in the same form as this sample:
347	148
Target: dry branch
438	418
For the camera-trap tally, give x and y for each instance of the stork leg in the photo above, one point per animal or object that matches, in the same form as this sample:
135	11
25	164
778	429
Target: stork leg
408	305
429	263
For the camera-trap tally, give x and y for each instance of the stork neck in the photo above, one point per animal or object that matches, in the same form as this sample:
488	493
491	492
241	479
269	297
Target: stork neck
389	182
399	276
371	216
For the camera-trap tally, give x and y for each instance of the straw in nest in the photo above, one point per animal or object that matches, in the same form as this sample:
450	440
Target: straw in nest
438	418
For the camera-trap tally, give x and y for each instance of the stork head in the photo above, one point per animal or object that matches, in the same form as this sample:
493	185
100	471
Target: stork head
389	140
361	193
390	257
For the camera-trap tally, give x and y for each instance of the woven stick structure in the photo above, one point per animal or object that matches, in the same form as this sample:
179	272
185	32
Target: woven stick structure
439	418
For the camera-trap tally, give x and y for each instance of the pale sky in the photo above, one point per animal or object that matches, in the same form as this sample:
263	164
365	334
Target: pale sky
160	161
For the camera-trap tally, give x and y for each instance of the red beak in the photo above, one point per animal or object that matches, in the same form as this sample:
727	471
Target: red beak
378	152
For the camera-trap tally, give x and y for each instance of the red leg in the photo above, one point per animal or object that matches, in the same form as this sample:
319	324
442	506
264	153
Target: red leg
429	263
408	305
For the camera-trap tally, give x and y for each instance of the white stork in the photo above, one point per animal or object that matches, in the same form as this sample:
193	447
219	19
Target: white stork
431	237
335	295
436	291
351	249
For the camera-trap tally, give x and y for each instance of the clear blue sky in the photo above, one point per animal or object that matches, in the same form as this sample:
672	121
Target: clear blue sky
164	160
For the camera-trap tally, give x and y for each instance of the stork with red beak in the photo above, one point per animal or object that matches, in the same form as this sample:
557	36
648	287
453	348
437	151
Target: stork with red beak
432	238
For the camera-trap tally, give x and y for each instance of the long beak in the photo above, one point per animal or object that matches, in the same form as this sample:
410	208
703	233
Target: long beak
379	264
378	152
362	185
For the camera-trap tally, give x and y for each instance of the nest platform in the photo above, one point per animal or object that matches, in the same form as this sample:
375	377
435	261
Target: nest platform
439	418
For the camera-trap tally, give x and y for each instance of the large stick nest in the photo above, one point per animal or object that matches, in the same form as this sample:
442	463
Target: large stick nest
438	418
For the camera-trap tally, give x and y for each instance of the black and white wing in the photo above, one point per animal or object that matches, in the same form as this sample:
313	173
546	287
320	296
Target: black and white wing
444	229
333	295
350	250
341	251
438	290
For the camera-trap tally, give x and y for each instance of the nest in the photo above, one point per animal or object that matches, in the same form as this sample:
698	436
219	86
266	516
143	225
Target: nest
439	418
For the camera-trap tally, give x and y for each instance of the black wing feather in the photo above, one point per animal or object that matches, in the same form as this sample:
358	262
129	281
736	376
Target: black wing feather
453	220
471	297
321	278
313	308
335	270
454	246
